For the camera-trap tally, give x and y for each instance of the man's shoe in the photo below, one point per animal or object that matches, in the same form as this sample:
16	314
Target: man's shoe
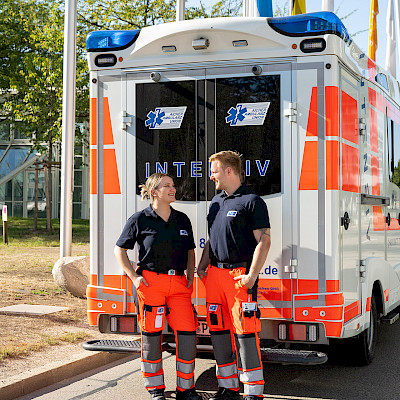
157	394
189	394
226	394
252	397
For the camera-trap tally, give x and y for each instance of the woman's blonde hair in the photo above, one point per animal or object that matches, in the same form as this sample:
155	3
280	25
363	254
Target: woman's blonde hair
151	184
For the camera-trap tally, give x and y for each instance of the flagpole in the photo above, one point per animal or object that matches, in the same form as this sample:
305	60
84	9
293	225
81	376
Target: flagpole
68	128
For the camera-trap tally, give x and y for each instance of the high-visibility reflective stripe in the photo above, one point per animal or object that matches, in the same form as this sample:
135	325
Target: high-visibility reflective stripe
309	167
185	368
226	370
93	171
331	111
255	390
153	381
184	384
368	304
93	121
228	383
251	376
352	310
350	169
349	118
150	367
373	129
332	165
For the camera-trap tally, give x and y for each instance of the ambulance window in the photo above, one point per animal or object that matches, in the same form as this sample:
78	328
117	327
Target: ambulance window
171	150
259	143
394	152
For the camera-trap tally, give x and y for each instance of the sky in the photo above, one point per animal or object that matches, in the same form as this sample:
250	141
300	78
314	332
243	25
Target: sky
354	15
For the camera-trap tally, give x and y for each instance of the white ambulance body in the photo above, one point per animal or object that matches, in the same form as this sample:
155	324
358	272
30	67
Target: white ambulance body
318	124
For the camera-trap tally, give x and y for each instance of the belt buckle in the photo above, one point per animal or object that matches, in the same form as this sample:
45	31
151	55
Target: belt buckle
171	272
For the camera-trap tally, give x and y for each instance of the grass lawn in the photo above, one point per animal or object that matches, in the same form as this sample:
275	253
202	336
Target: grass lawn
22	234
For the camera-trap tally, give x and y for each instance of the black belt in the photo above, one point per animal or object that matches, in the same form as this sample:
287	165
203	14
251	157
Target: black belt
171	271
223	265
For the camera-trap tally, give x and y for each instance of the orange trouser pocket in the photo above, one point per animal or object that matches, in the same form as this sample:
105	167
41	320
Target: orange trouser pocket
153	318
250	317
214	316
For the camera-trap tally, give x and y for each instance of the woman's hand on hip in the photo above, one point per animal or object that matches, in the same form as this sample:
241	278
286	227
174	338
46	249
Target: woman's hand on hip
138	280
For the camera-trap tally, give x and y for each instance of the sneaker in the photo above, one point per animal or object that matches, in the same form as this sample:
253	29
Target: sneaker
189	394
226	394
157	394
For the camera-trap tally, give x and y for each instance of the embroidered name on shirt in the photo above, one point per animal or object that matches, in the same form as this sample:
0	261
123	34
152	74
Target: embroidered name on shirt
231	213
183	232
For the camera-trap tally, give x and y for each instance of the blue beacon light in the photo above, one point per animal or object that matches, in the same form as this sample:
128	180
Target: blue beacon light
110	40
312	24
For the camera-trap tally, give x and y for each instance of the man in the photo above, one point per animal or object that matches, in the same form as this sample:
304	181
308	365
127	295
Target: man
238	245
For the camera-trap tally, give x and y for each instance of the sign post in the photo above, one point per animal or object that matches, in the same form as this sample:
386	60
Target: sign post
5	225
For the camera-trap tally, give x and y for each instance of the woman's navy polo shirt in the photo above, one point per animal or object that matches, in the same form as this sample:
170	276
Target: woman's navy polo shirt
231	222
162	245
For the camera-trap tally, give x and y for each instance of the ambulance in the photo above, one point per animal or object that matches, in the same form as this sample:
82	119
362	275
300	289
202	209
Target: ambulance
318	125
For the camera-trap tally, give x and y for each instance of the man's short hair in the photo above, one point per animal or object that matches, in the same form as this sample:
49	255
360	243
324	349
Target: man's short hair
231	159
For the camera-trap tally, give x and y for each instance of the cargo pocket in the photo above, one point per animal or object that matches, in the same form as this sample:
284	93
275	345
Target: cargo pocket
250	316
214	316
153	318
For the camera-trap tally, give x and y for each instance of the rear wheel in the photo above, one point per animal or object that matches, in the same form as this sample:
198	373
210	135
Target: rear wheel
364	350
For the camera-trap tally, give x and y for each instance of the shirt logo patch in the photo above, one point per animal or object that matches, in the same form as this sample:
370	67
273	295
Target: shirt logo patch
160	310
183	232
231	213
213	307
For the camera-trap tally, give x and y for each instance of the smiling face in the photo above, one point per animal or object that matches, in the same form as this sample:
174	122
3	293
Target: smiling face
218	175
165	191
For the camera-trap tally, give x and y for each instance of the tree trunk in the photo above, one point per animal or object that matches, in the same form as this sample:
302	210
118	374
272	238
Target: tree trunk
48	194
36	195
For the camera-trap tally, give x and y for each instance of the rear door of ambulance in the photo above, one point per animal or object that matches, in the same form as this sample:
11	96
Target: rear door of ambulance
189	114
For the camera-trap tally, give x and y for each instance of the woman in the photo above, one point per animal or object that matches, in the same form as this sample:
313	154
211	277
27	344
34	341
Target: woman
166	249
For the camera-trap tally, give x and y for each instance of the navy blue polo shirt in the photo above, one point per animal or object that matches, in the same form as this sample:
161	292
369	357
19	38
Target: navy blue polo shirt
162	245
231	221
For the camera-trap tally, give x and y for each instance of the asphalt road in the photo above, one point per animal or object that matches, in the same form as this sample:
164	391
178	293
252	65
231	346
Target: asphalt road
336	379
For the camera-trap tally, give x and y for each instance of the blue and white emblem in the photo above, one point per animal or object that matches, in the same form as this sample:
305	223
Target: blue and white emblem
231	213
213	307
165	118
183	232
247	114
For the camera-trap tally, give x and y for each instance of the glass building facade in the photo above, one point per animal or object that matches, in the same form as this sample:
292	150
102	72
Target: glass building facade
18	175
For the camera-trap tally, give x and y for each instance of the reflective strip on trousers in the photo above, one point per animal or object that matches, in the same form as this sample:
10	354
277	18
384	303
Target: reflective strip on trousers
154	381
226	371
251	372
151	367
227	376
186	369
251	376
151	360
255	390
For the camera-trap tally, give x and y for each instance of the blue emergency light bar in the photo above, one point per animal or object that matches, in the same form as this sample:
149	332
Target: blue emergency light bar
110	40
312	24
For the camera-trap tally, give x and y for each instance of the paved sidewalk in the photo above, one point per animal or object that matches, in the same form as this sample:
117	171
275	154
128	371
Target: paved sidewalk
72	363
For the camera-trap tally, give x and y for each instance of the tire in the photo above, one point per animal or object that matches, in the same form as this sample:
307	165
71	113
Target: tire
364	350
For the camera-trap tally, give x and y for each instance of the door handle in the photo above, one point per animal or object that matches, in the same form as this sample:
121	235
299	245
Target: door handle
345	221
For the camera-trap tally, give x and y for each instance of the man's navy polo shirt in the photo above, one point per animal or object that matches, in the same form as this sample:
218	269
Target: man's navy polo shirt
231	221
162	245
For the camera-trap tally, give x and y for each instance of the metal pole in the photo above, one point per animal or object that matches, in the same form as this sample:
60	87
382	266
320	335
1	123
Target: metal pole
180	10
68	127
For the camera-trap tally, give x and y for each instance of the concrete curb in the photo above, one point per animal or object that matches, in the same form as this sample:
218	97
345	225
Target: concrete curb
31	381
